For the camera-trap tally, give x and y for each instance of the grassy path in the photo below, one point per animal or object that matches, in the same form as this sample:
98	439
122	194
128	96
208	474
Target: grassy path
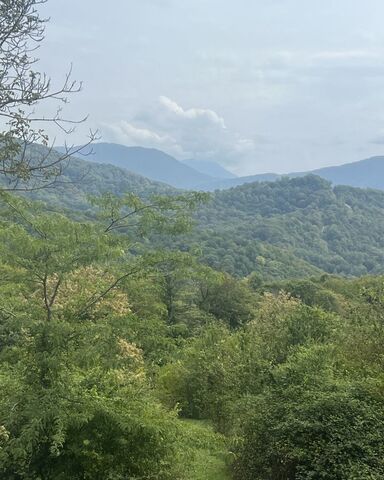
210	455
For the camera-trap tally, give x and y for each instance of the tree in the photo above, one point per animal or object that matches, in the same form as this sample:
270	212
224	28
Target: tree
77	400
205	378
314	422
227	299
22	90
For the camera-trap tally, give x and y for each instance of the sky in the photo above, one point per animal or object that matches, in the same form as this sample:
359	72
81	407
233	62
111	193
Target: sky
257	85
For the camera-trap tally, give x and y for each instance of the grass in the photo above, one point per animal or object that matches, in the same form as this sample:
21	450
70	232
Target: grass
209	457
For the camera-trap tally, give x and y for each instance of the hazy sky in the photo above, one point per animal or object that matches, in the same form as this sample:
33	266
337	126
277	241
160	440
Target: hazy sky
259	85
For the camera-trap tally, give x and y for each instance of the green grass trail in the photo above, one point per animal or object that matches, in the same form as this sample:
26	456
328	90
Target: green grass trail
210	457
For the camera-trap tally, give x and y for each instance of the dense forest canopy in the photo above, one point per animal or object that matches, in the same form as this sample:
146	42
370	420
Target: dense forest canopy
292	228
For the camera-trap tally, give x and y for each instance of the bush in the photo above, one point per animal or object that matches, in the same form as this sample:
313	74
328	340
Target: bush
312	425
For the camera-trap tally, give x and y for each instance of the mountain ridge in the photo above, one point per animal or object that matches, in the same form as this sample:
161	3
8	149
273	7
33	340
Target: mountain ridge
151	163
195	174
366	173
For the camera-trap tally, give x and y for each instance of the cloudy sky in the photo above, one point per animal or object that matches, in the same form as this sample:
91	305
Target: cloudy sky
258	85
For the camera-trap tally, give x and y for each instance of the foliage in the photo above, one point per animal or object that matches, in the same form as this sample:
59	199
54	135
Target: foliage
205	377
297	389
313	423
78	401
292	228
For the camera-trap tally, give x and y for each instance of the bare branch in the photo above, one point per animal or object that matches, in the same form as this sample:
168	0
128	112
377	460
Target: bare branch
22	90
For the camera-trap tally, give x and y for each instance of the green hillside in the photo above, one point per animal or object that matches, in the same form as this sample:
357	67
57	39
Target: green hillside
292	228
82	178
116	366
121	359
284	229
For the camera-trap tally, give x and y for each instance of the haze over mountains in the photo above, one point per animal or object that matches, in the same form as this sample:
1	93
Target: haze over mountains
213	169
209	175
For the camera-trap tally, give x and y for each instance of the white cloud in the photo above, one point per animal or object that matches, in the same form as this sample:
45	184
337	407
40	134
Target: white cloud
209	116
185	133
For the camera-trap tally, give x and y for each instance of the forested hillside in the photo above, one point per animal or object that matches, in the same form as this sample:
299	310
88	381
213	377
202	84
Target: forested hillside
288	228
122	358
82	178
292	228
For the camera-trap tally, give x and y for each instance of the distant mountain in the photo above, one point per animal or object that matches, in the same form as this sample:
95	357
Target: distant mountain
367	173
210	168
209	176
158	166
150	163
